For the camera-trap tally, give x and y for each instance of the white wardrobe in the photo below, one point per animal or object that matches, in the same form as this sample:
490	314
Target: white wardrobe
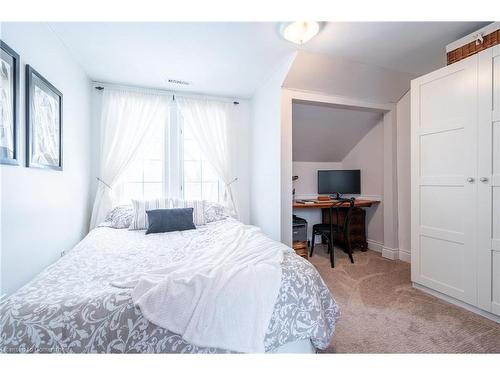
455	120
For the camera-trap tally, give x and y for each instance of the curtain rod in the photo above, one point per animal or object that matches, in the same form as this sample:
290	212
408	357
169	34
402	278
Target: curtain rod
100	88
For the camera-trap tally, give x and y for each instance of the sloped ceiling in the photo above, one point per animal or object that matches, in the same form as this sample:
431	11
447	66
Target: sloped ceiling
326	134
338	76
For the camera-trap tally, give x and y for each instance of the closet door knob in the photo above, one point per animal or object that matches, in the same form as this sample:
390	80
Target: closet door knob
483	179
470	179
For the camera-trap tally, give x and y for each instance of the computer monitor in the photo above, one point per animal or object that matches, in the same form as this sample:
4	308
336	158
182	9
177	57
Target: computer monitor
339	181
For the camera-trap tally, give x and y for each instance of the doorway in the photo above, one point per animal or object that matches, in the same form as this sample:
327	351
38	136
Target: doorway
307	101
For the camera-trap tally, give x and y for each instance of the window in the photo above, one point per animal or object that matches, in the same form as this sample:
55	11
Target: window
199	179
145	177
170	164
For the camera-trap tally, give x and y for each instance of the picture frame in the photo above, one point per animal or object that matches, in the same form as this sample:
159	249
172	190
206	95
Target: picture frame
44	122
9	105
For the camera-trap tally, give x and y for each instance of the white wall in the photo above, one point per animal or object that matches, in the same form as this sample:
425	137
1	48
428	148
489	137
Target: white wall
44	212
307	184
368	155
404	167
265	153
240	150
307	187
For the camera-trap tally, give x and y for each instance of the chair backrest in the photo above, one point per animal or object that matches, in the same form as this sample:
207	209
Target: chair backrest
348	214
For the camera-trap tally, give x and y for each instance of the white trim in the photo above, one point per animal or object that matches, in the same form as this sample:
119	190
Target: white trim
456	302
3	296
405	255
375	245
343	101
387	252
390	253
390	186
488	29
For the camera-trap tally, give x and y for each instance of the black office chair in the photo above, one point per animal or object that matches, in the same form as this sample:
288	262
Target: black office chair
323	230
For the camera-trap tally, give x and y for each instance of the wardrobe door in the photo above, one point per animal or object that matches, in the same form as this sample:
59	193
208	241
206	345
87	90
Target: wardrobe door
444	166
489	181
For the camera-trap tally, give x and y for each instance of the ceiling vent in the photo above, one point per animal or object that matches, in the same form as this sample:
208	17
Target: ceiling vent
178	82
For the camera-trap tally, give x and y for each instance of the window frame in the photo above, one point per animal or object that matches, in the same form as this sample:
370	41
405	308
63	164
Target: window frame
173	183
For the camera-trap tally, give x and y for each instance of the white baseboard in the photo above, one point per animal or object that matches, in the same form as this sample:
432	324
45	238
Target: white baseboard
390	253
387	252
375	245
456	302
405	255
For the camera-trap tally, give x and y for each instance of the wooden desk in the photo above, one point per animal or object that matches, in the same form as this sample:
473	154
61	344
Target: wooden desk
328	204
357	230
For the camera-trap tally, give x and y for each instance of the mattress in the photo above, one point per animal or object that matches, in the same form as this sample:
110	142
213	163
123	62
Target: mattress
71	307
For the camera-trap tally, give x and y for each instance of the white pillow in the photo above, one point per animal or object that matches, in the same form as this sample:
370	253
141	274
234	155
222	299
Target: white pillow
140	217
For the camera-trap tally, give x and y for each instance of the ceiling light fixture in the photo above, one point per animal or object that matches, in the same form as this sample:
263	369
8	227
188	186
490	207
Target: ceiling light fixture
299	32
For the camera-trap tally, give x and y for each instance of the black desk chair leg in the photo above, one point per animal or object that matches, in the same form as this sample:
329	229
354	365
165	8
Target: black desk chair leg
332	257
350	256
349	247
312	245
330	242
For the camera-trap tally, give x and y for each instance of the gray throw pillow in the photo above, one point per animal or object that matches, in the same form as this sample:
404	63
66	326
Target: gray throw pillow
170	220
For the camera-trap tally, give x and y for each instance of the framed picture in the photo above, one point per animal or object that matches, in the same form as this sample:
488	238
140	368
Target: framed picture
9	105
43	122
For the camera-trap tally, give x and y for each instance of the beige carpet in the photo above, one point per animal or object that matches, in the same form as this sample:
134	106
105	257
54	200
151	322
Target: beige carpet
383	313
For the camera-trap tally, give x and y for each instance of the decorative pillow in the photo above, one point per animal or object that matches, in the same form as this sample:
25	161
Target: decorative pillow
119	217
140	217
170	220
197	206
215	212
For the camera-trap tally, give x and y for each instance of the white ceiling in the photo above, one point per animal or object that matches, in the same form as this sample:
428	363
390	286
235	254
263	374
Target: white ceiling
227	59
234	59
324	133
411	47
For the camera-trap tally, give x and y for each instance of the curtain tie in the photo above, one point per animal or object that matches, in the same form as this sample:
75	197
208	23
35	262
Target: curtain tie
105	184
231	182
228	187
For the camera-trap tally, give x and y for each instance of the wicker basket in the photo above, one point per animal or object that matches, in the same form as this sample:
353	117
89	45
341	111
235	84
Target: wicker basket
301	248
479	43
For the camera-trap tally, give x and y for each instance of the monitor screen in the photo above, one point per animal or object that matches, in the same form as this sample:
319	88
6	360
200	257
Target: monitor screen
339	181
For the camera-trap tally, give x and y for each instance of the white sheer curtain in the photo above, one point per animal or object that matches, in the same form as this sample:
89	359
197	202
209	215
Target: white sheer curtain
126	120
208	120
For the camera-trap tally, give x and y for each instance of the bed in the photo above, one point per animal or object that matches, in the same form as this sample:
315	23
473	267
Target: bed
72	306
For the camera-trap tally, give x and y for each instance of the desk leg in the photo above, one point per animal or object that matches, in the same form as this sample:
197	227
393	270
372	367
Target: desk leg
332	248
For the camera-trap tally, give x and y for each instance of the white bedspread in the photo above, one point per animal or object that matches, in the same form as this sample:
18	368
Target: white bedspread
222	294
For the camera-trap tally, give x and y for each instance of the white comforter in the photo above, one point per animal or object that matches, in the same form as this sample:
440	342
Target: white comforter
222	294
